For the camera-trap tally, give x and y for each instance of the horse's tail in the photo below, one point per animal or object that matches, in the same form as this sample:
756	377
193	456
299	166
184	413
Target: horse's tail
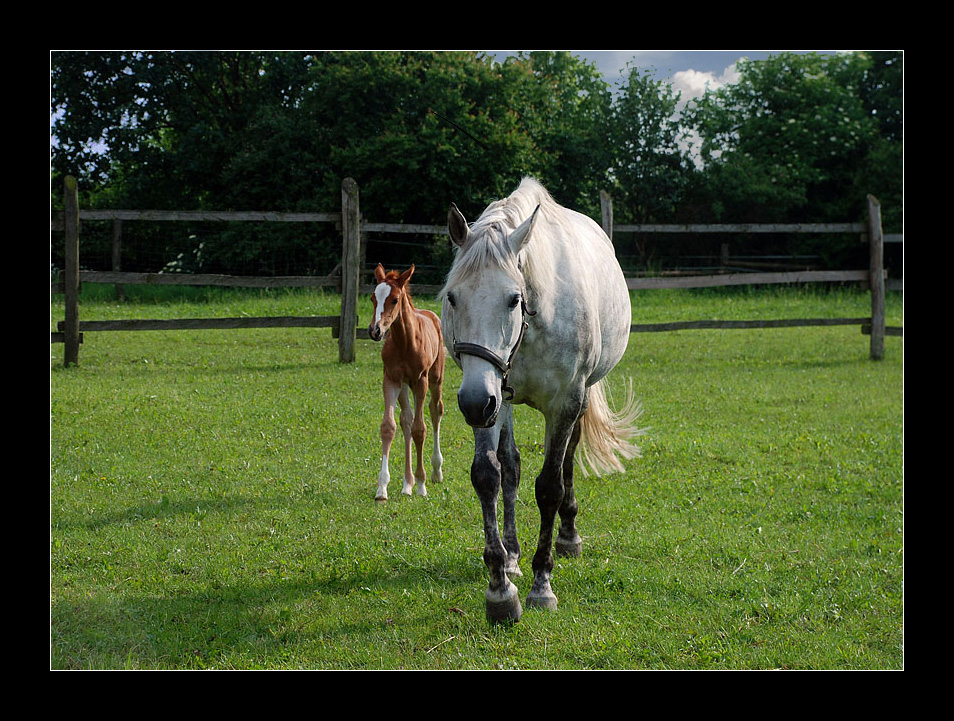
607	435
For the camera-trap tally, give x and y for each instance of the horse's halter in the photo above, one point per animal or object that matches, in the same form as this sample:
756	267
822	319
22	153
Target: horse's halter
488	355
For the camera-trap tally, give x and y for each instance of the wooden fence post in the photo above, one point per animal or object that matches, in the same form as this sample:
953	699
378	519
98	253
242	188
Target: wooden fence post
118	255
71	334
351	234
876	243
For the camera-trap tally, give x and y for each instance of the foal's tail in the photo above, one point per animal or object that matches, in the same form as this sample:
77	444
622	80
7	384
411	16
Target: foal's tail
607	434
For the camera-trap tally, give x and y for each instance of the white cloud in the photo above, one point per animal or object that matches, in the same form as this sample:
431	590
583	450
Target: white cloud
693	83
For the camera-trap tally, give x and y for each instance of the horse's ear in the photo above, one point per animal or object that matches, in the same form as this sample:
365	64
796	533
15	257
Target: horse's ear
457	225
379	273
519	237
405	276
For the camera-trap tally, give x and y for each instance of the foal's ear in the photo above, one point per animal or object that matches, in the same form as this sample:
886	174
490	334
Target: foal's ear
405	276
379	273
520	236
457	225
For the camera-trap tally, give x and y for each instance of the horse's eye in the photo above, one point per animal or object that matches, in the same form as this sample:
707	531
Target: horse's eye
452	300
515	300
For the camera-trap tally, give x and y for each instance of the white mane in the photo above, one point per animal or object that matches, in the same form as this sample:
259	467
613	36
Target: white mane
487	246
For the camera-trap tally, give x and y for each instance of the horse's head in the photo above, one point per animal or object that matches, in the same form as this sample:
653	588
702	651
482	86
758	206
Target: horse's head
386	299
484	314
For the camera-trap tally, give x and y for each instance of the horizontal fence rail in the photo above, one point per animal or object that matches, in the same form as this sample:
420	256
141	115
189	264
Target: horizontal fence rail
345	277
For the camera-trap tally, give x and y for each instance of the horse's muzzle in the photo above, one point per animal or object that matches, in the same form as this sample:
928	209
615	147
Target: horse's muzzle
374	332
479	410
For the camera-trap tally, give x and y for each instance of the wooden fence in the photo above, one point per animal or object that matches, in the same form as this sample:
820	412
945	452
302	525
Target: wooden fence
345	278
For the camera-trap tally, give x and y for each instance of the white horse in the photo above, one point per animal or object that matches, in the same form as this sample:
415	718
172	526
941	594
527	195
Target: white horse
536	311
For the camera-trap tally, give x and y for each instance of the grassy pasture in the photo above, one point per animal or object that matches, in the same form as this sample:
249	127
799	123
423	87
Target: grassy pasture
211	502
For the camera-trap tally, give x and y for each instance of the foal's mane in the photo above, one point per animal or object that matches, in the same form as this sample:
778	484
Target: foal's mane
487	243
393	275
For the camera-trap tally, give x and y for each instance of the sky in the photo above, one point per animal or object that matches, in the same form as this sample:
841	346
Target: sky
688	70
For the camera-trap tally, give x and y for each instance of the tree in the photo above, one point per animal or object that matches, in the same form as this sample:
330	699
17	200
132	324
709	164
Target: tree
650	165
160	129
785	142
882	173
416	130
279	131
565	107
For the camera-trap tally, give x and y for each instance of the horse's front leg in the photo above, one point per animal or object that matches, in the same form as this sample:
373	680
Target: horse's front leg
550	495
509	458
502	599
388	431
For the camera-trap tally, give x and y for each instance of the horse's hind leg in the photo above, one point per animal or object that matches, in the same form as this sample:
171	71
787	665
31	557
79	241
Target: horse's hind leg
568	541
388	431
550	493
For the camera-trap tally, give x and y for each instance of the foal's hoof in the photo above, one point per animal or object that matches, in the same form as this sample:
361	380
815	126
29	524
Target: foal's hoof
503	607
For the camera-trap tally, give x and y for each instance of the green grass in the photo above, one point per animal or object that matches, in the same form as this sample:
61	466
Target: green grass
211	502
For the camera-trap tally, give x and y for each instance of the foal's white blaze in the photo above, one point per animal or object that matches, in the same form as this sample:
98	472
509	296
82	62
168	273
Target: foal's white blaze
381	294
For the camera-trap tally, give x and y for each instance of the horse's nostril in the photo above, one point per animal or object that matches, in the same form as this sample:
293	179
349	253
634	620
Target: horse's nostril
490	410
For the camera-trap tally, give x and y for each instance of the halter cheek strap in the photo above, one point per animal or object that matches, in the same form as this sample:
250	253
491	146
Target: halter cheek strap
499	363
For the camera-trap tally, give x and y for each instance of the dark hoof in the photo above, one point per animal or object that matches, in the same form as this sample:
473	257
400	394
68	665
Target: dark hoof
505	607
546	601
568	548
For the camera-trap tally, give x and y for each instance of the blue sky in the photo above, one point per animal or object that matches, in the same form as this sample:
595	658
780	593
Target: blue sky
687	70
667	63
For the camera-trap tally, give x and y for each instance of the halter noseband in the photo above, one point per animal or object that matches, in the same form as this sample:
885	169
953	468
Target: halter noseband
488	355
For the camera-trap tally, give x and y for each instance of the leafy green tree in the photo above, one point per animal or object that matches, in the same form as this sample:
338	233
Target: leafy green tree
784	142
882	172
798	138
157	129
164	130
416	130
650	166
279	131
566	108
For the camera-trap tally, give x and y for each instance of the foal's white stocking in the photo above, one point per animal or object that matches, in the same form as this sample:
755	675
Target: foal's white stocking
388	430
437	460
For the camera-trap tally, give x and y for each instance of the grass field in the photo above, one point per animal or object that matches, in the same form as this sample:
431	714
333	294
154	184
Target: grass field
211	502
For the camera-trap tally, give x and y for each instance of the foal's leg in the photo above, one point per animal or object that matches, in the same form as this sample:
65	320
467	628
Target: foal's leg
509	458
418	433
407	422
502	599
550	494
388	430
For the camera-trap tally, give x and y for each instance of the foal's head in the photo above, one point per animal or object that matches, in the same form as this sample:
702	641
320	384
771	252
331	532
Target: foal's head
390	289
